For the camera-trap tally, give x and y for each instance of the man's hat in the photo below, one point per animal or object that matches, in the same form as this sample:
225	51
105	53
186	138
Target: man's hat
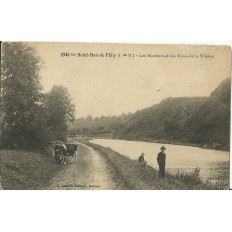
162	148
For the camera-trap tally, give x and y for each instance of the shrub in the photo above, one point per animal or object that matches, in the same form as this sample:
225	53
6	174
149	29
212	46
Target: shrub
192	178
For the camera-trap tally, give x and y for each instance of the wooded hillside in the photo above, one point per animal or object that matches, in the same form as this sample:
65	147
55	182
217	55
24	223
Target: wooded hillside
202	121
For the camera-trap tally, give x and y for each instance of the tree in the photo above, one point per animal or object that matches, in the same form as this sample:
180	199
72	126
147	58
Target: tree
22	103
60	110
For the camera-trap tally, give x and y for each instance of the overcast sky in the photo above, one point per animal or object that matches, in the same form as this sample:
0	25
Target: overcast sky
111	86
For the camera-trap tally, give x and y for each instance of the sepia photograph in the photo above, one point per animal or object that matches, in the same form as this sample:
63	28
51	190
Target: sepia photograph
107	116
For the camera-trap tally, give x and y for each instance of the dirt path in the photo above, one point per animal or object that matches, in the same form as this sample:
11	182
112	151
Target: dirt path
90	171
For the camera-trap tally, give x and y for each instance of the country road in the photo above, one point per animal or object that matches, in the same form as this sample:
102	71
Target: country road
90	171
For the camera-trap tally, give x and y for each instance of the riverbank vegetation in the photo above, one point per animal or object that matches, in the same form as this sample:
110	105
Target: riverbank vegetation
195	121
193	179
140	178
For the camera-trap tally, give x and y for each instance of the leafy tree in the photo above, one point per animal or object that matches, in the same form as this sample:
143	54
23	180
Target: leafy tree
60	110
28	117
22	106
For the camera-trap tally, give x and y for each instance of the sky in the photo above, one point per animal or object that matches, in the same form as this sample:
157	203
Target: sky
104	86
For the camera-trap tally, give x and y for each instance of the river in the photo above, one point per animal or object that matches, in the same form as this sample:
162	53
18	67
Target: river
213	164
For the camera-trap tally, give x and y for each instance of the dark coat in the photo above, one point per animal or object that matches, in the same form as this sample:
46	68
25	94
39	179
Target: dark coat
161	158
141	158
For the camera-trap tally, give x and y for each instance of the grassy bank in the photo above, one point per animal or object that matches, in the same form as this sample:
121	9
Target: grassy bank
26	169
139	178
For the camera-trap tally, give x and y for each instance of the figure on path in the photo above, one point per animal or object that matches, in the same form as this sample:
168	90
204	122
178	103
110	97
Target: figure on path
161	159
60	151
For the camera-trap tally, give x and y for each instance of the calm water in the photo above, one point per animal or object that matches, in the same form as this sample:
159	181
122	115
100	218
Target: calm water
214	164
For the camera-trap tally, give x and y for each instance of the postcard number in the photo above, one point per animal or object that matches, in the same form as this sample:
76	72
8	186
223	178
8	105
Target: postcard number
62	54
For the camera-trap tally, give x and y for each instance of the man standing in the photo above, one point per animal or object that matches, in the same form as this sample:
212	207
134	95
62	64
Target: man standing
161	158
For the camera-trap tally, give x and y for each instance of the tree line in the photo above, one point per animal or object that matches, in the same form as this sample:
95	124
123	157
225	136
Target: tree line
106	126
29	117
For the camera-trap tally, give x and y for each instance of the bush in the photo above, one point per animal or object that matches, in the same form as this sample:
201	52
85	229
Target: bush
192	178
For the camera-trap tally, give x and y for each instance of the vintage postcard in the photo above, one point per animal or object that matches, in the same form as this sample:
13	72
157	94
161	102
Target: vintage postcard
85	116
